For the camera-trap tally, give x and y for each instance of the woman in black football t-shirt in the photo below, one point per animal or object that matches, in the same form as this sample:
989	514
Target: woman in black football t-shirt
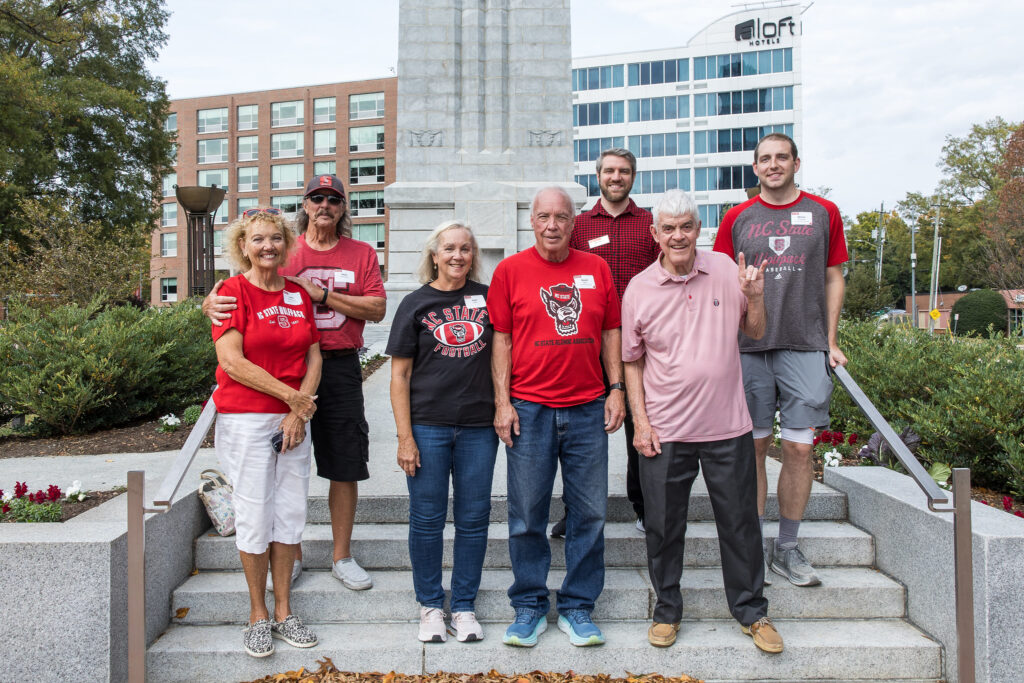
443	401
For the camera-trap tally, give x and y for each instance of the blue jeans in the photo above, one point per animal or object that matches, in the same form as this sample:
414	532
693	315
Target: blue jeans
574	437
466	454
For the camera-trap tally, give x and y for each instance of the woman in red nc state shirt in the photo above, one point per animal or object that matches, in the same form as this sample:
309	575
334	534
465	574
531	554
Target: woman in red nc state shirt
268	356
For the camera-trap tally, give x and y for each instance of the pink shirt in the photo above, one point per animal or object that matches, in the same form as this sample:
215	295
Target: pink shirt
685	328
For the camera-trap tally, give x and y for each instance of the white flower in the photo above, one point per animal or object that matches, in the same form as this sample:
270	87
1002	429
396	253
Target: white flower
832	458
8	496
81	497
170	420
74	489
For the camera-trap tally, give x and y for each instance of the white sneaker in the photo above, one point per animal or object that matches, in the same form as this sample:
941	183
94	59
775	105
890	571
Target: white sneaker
640	525
296	573
464	627
348	571
432	629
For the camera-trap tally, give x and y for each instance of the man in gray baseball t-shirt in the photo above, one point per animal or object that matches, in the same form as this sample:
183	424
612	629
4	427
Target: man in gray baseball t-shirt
800	236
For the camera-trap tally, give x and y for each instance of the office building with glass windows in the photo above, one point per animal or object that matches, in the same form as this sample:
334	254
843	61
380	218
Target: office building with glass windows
693	114
262	147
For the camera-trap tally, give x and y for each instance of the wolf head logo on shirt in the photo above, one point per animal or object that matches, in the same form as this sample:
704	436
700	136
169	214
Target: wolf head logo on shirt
563	304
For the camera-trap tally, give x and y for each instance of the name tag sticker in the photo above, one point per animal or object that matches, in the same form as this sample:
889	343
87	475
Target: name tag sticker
599	242
476	301
584	281
800	218
347	275
292	298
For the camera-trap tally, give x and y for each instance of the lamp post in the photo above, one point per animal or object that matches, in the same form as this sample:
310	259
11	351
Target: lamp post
200	204
933	290
913	275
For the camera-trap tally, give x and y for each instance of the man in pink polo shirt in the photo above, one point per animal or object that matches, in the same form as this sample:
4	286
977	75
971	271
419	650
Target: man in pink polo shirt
680	318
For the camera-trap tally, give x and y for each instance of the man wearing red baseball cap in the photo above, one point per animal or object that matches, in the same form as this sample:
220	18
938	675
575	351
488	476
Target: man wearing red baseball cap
556	321
342	276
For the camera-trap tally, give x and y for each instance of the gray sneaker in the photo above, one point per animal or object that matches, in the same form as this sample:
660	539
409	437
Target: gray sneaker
767	574
348	571
294	632
794	566
256	639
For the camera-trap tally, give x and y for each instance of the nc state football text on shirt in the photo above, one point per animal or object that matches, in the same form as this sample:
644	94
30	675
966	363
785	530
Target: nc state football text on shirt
280	310
459	333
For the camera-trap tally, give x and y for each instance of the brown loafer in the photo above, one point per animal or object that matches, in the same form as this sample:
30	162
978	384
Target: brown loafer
764	634
662	635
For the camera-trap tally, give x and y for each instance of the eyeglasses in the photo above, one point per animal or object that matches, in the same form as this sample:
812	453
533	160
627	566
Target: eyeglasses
272	211
319	198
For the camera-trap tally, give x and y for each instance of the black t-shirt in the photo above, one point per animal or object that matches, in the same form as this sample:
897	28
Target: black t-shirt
448	336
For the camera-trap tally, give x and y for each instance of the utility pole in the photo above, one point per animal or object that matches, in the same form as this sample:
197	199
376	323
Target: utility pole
913	276
881	244
933	290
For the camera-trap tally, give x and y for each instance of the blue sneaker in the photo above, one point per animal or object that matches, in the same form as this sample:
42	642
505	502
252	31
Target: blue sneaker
524	631
581	630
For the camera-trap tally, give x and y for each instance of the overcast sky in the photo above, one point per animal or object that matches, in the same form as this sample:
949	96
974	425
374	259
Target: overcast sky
884	80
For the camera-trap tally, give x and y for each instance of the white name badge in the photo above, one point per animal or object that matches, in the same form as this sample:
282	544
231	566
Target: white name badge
599	242
584	281
476	301
345	276
292	298
800	218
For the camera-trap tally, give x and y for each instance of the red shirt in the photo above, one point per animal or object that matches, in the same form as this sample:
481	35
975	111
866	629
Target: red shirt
277	331
629	247
555	313
349	267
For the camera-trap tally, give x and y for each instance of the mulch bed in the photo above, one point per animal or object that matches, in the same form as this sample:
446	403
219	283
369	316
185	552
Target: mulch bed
328	673
143	436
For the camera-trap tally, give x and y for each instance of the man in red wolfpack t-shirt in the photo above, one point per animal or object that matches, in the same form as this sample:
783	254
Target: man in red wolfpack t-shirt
556	321
800	236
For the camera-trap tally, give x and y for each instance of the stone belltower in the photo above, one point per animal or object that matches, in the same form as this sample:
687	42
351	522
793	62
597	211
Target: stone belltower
484	119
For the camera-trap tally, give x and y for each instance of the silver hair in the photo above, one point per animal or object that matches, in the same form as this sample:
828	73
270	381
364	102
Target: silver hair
427	270
675	203
554	188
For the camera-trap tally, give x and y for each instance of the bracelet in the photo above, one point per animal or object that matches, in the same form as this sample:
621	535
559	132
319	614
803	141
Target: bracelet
324	300
618	385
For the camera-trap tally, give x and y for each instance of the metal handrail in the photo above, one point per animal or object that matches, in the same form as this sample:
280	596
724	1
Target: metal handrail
137	510
938	501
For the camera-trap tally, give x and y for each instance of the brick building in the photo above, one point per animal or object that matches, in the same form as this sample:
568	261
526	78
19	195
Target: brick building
262	147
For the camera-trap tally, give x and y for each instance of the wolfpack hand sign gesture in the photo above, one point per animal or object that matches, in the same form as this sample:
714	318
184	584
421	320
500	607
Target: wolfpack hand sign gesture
751	278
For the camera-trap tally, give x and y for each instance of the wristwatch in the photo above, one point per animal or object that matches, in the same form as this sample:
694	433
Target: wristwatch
324	300
618	385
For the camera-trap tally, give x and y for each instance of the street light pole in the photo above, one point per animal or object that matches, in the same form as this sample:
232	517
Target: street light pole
913	276
933	291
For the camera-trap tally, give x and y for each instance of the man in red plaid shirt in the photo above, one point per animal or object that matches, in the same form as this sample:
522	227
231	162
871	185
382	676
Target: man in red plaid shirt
618	231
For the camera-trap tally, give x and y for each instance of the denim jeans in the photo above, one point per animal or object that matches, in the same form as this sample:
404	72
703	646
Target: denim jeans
466	455
574	437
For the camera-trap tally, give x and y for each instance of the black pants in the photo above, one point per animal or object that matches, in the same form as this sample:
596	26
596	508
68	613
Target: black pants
633	489
731	478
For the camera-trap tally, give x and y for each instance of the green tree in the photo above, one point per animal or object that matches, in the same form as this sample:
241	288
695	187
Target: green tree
1005	227
80	114
978	310
970	164
67	260
864	296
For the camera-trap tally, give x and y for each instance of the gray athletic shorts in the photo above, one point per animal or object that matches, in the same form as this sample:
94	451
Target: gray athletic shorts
796	383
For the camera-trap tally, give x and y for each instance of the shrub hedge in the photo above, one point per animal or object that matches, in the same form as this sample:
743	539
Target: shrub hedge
961	395
83	368
978	310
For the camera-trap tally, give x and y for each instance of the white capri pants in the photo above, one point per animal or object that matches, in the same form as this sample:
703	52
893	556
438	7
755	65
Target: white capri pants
270	489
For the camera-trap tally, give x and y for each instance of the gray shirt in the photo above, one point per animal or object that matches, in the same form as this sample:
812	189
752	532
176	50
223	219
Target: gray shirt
799	241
